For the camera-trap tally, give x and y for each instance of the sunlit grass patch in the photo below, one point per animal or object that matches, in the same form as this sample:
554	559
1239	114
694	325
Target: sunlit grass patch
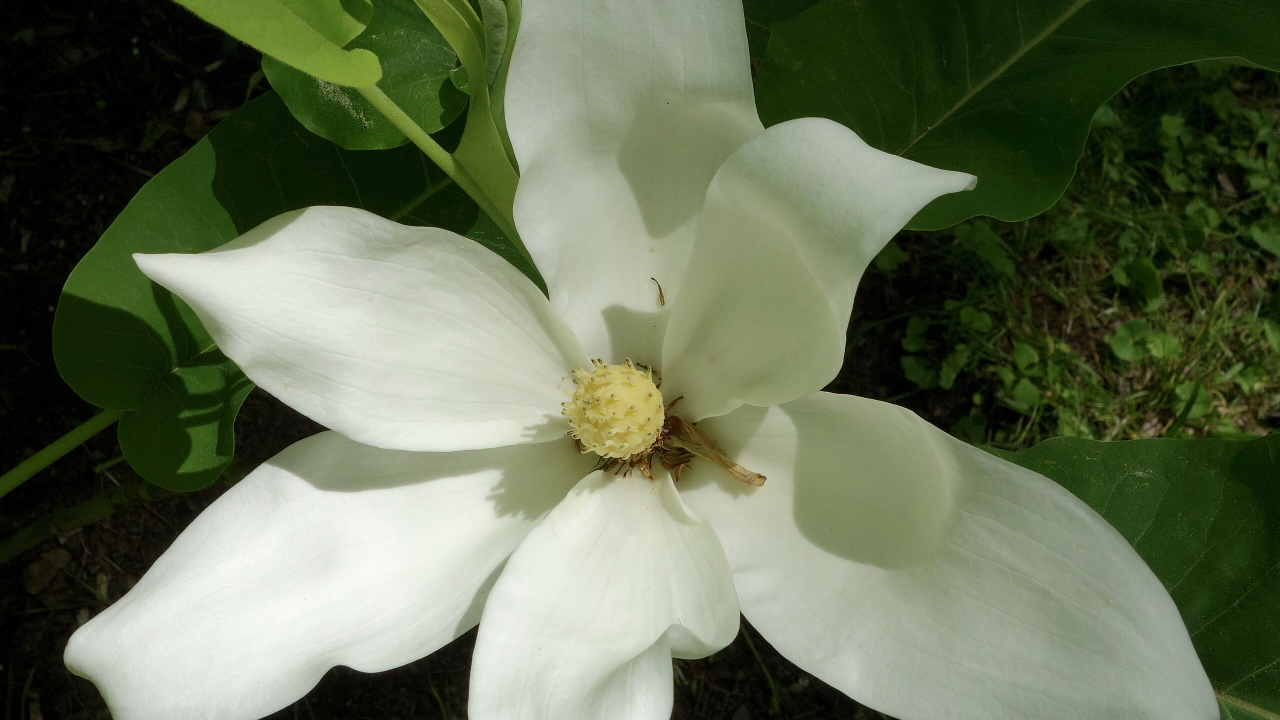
1144	304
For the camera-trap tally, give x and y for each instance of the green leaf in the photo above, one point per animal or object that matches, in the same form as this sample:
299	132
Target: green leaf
1200	405
1271	330
952	366
1163	345
497	23
1001	91
123	343
501	20
1007	377
360	10
1267	236
1130	341
307	34
971	428
179	444
976	320
1105	116
1172	125
916	337
891	258
762	14
458	78
416	62
1205	516
484	156
1251	380
1071	231
920	371
1233	708
1141	278
1025	357
1229	374
981	240
1025	396
1201	215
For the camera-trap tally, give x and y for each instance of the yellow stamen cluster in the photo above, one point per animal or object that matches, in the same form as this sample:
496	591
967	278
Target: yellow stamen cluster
616	410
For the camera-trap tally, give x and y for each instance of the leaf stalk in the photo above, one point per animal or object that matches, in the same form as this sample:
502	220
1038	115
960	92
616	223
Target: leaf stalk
56	449
501	214
90	511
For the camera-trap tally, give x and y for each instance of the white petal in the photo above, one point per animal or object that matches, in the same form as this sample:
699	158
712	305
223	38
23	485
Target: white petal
331	553
1009	598
790	223
619	113
400	337
591	607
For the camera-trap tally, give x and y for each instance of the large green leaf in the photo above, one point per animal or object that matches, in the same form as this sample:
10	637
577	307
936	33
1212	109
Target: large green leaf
762	14
124	343
1205	516
307	34
1003	89
416	62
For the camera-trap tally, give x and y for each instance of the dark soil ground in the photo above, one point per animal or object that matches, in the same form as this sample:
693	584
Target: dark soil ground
94	99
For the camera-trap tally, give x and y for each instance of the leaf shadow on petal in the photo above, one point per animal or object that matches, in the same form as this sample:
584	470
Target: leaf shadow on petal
671	151
873	489
512	491
636	335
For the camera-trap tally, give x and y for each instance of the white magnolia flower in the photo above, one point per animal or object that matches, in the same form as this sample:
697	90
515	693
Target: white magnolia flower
919	575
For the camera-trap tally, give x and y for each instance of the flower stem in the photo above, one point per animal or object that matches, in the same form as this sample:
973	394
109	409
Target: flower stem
57	449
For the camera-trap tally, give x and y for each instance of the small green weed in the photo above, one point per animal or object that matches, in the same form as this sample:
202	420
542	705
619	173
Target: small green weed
1145	303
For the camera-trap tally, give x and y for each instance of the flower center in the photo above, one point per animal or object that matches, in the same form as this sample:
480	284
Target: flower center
616	410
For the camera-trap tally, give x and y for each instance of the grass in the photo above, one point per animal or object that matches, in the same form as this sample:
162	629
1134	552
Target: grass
1144	304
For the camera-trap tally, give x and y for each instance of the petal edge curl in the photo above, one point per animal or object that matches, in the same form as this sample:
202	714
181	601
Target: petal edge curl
790	223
